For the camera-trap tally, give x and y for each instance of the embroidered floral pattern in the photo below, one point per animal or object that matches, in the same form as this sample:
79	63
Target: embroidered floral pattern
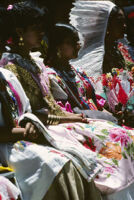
79	83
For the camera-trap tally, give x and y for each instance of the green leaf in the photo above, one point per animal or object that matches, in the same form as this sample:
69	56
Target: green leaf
110	123
115	161
99	156
124	155
101	137
108	175
105	132
108	163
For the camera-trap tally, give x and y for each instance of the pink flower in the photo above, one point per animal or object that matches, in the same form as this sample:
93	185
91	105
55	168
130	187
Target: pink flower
127	127
118	134
10	7
109	170
69	127
101	102
81	90
68	107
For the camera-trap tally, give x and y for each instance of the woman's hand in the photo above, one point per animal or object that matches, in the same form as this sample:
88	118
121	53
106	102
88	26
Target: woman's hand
30	131
27	133
69	114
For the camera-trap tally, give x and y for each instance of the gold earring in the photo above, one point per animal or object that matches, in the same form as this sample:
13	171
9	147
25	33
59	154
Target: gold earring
59	53
21	42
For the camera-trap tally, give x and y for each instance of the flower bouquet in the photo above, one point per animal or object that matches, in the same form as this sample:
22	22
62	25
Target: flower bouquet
118	88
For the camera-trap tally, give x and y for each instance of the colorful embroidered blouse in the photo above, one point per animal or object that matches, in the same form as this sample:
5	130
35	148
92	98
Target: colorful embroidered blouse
34	83
77	85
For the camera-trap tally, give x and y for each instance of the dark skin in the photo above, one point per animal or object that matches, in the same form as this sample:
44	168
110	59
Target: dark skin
66	51
116	27
115	30
17	133
32	37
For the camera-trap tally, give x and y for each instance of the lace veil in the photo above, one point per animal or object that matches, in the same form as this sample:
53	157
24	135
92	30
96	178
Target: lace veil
90	18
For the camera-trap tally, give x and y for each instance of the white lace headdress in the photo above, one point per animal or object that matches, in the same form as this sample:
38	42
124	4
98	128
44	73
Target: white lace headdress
90	18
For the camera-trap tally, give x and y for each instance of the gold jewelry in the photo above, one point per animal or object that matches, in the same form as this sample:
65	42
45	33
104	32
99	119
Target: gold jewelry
53	120
21	42
59	53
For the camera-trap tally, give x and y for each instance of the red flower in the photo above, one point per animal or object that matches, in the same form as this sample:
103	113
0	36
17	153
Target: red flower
131	15
10	40
104	80
89	145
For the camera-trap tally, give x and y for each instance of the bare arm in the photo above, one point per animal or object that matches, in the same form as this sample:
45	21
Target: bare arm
28	133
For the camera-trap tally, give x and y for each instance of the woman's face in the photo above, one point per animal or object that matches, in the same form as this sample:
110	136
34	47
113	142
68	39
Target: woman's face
117	26
68	50
32	36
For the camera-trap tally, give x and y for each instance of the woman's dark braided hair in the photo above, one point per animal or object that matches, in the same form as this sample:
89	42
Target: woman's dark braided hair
21	15
25	14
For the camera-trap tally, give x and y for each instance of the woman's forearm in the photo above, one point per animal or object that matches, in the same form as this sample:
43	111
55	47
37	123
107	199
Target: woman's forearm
13	135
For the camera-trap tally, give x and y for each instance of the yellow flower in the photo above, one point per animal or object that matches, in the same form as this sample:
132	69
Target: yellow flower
112	151
108	75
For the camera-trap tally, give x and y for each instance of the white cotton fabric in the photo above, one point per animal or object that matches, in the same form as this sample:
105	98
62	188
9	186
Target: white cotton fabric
90	18
82	158
8	191
125	194
35	166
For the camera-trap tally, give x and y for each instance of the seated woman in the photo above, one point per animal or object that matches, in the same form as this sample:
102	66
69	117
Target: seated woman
99	52
82	143
7	90
51	169
71	84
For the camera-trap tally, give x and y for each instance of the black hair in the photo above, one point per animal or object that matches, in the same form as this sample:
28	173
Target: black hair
25	14
113	14
22	15
114	17
63	32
